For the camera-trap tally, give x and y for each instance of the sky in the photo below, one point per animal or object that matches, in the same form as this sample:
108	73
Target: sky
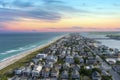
59	15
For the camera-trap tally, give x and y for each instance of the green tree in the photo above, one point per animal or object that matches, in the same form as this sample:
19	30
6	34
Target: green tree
77	61
106	77
85	72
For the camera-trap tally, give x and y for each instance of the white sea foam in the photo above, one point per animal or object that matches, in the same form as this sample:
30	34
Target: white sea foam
12	51
19	49
7	52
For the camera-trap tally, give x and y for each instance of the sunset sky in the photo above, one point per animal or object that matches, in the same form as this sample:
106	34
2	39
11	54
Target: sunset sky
59	15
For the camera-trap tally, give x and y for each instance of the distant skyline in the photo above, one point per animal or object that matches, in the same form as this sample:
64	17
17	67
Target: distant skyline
59	15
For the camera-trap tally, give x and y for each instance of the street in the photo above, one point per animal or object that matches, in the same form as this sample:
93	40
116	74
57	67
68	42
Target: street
115	75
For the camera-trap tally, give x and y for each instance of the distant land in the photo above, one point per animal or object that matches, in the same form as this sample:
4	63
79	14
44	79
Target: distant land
106	33
114	36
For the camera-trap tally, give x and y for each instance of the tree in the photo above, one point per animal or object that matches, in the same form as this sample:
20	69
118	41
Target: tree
106	77
118	62
85	72
96	69
77	61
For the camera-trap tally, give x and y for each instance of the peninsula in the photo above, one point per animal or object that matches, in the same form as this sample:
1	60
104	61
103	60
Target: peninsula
71	57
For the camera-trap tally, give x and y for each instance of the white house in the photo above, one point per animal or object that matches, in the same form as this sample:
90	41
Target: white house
41	56
18	72
36	71
111	60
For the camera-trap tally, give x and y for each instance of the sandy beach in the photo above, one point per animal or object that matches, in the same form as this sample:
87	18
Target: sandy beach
15	58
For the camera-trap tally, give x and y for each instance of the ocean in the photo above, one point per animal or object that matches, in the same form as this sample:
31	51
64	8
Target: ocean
12	44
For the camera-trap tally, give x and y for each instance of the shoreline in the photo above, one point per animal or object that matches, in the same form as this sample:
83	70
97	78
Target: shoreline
19	56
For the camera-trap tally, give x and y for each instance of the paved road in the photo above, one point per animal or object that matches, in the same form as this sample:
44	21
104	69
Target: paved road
115	75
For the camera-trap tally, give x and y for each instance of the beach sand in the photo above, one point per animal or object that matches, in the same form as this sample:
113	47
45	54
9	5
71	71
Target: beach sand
15	58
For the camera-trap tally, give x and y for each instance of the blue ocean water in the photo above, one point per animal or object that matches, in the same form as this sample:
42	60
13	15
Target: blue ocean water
14	43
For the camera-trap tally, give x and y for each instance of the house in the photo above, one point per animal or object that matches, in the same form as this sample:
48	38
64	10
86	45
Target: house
31	64
36	71
64	75
96	76
66	66
54	73
111	60
41	56
35	61
76	55
48	65
51	58
75	74
91	60
69	59
54	51
18	72
81	60
90	67
45	72
57	66
76	67
68	52
61	56
116	68
26	72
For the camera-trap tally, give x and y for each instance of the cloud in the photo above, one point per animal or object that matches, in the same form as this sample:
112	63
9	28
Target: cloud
5	19
34	30
61	6
12	14
19	3
64	8
13	11
100	8
16	9
117	28
51	28
52	1
116	4
43	14
16	4
2	27
3	4
76	27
